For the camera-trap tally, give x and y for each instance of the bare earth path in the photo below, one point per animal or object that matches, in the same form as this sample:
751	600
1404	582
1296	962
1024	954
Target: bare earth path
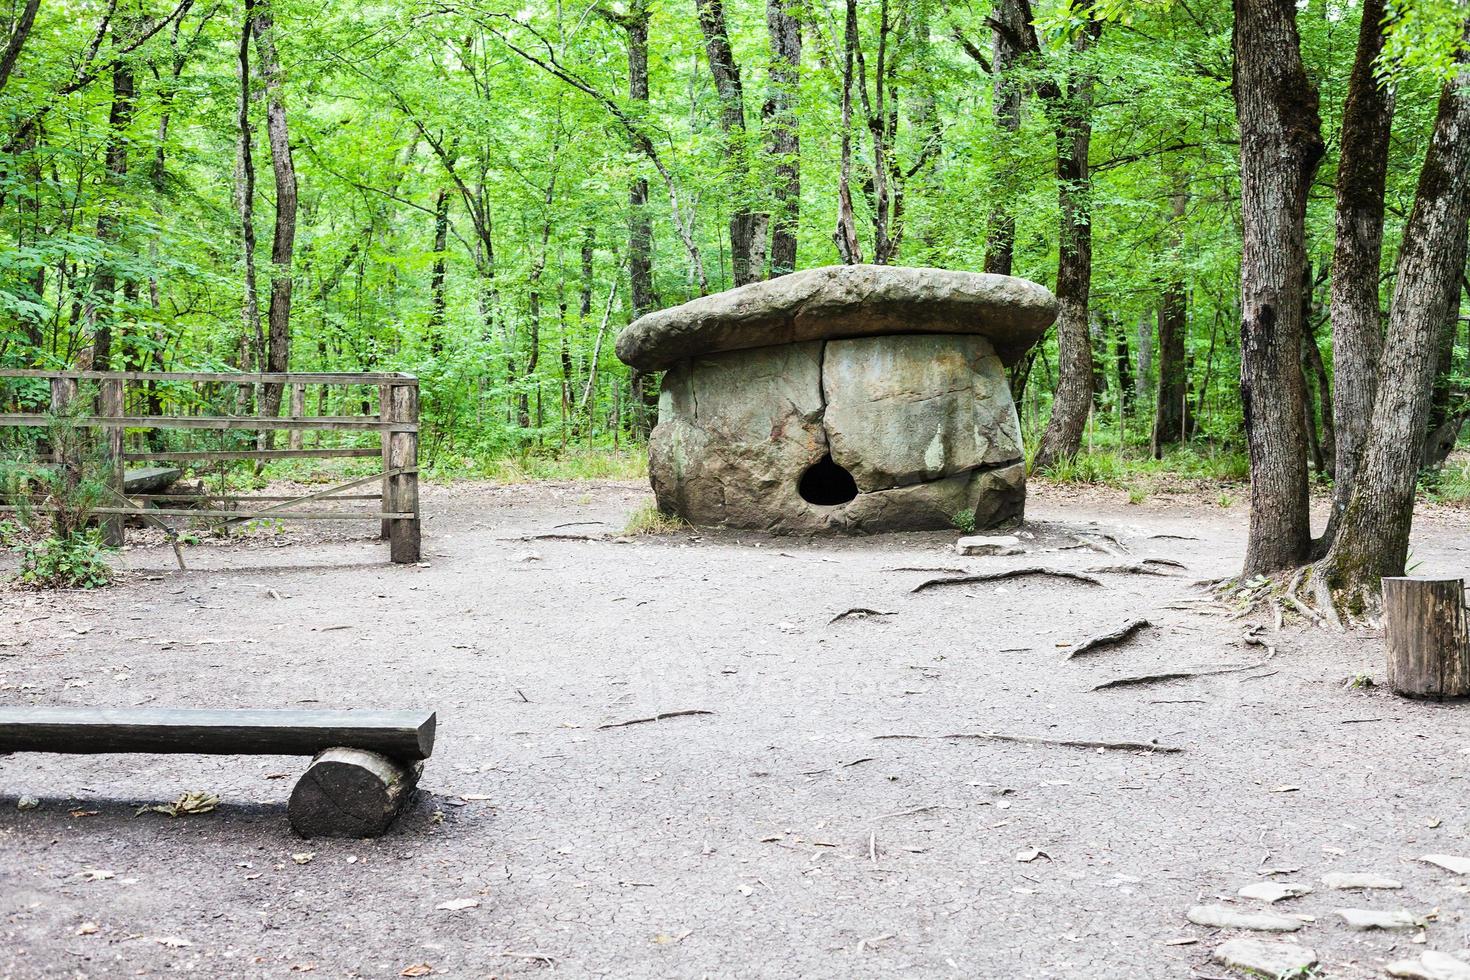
774	837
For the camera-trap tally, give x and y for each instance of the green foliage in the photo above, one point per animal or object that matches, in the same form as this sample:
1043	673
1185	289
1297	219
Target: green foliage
965	520
648	519
78	561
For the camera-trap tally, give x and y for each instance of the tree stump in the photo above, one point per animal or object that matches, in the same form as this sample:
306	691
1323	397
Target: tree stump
351	793
1428	640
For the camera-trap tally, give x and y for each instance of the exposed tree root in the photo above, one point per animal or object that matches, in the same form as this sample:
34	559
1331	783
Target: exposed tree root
859	611
1072	743
934	583
1118	636
1144	680
657	717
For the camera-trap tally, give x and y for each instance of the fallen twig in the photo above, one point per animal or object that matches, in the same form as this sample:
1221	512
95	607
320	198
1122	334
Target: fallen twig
1172	537
1175	675
913	568
658	717
553	536
859	611
1139	568
1118	636
1008	573
1071	743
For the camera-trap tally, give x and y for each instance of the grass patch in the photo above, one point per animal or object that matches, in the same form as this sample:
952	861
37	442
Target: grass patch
648	519
1135	471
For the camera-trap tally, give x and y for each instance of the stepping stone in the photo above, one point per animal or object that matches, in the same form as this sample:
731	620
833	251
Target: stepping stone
1273	891
1269	959
1431	966
1379	919
1220	917
1347	880
989	544
1449	862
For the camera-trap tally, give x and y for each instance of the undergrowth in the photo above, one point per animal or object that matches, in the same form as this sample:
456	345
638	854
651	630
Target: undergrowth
648	519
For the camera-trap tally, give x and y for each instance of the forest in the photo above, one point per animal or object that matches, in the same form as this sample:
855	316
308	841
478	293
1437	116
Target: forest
486	195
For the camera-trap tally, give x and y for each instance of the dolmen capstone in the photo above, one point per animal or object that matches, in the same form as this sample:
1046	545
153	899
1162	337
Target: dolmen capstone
850	398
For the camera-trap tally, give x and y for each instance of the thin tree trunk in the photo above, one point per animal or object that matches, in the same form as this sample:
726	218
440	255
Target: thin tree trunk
1356	321
1169	407
1123	359
278	340
1000	237
103	307
747	227
1281	145
17	40
1373	537
783	139
437	276
1072	403
245	199
849	250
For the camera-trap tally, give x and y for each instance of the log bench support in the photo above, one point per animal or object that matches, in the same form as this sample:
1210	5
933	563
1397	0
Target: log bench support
1425	630
364	774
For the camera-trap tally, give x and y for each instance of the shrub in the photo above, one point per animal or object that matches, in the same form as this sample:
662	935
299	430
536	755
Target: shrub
78	561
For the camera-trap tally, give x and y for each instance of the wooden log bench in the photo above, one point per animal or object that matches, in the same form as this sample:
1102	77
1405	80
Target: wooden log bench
364	770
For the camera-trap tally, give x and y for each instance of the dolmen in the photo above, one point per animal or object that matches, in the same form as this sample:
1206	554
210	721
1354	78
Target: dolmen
857	398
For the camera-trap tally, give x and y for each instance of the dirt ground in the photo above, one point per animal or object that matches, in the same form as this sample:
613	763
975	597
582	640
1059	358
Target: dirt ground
775	837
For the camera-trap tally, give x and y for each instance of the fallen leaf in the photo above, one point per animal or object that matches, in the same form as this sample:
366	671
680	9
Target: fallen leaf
187	803
172	942
1031	854
417	970
87	929
457	904
85	813
304	858
95	874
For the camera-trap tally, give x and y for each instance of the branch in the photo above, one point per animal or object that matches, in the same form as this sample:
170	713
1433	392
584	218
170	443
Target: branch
970	49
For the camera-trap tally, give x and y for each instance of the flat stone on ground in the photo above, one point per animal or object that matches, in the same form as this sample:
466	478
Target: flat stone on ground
1379	918
1431	965
1347	880
1264	957
1450	862
1273	891
989	544
1221	917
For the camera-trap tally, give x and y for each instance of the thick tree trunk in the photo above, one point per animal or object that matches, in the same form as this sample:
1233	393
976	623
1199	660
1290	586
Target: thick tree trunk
1008	24
640	224
748	238
1281	145
783	140
1356	321
283	240
1373	536
1072	402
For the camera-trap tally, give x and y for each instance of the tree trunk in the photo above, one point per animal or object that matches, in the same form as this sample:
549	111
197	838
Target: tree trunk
119	117
1319	408
848	248
1073	400
640	225
1373	537
245	199
1169	407
1123	358
1281	145
437	277
747	227
1427	633
1356	321
1008	24
278	340
17	40
783	140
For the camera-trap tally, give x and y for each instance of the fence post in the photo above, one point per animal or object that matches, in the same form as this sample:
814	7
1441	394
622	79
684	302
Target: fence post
66	451
403	488
385	414
298	410
111	404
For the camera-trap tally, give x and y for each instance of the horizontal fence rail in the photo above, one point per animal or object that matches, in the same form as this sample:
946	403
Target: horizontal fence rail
395	423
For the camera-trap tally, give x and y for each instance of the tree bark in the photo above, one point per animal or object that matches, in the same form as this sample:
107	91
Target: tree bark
1008	23
1169	408
783	138
1072	110
245	201
1357	325
283	240
1280	148
437	276
849	250
17	40
103	307
1373	537
747	227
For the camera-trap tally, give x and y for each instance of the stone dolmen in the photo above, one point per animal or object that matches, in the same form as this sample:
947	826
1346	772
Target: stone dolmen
846	398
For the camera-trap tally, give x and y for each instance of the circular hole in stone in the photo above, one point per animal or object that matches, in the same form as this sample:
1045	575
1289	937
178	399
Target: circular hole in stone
826	484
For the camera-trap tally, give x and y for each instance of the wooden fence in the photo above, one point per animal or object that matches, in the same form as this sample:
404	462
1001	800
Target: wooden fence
396	421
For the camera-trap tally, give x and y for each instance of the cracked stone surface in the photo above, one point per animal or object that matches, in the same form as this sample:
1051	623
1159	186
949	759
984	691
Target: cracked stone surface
925	425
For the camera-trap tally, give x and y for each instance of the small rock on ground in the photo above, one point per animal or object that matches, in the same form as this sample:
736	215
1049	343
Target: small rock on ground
989	544
1273	891
1431	966
1379	918
1220	917
1271	959
1345	880
1450	862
